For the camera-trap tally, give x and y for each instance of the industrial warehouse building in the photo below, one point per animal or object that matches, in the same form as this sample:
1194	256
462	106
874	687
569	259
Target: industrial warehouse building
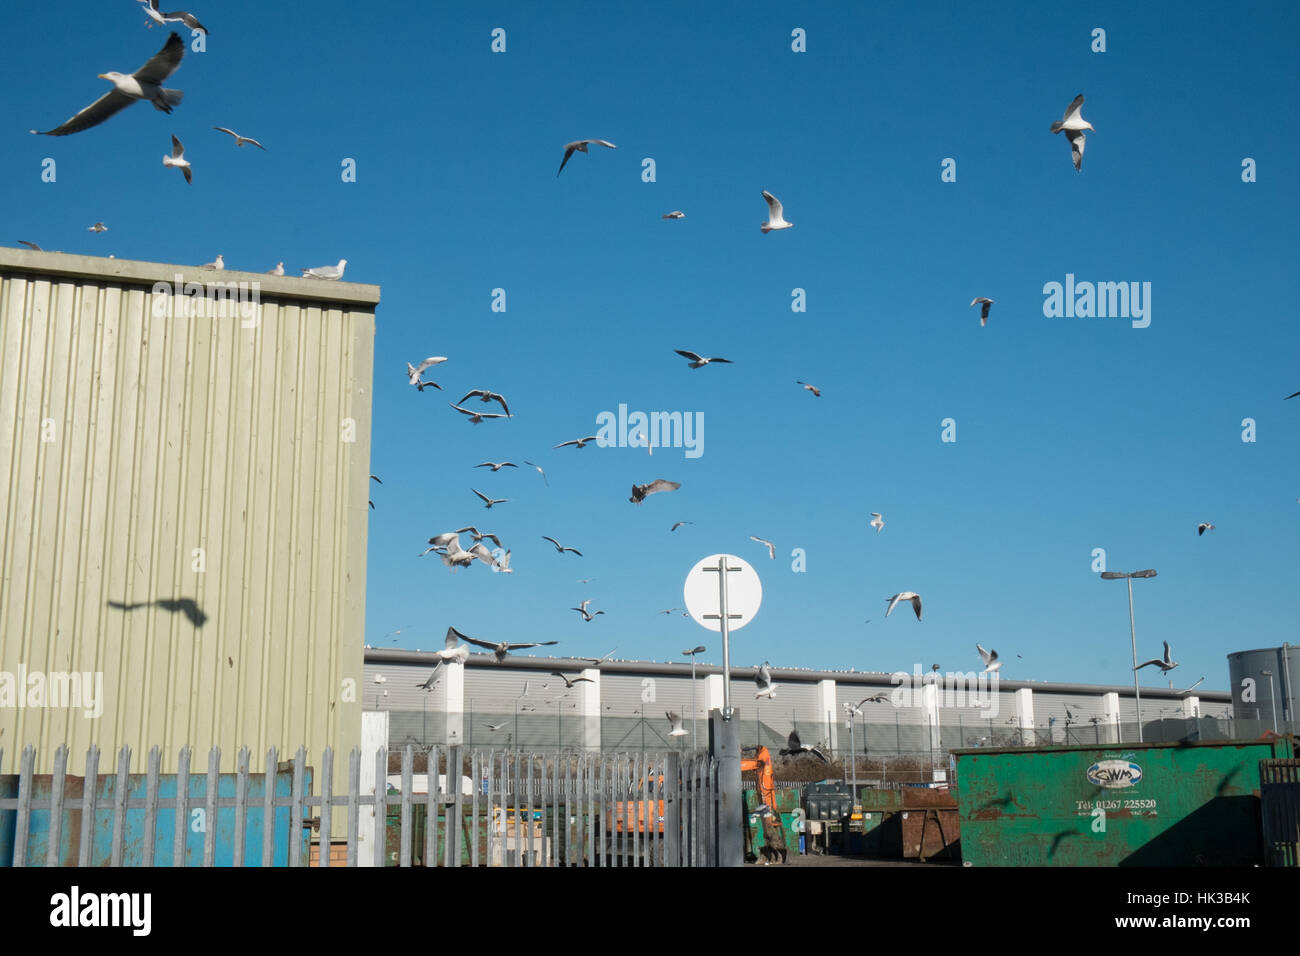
484	704
184	459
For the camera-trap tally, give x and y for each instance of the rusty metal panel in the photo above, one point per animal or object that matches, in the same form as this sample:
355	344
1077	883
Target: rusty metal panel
1132	805
183	505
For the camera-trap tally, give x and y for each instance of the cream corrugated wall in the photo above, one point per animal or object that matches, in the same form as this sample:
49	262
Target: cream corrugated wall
181	508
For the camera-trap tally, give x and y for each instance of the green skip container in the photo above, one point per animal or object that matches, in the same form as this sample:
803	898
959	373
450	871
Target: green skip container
1190	804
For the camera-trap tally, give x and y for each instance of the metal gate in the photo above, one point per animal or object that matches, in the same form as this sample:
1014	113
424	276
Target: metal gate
1279	804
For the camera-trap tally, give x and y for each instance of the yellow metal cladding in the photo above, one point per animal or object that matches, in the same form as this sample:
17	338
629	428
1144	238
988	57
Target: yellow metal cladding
184	461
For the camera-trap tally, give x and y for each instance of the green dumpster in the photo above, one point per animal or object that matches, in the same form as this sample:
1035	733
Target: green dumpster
1182	804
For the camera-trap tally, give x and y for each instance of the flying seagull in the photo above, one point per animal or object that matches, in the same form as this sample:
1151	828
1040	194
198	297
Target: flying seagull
489	502
697	361
639	492
1074	124
775	219
475	417
587	616
817	392
453	652
497	465
905	596
676	721
598	660
990	659
568	684
144	84
374	478
579	442
793	748
675	214
154	14
503	566
671	609
30	245
581	147
856	709
1165	663
1292	395
984	309
561	548
877	521
502	648
495	727
679	524
413	372
326	272
177	159
1203	527
763	679
771	548
97	227
540	472
488	397
218	263
239	140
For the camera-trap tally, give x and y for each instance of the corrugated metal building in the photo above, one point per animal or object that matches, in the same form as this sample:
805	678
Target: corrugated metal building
184	460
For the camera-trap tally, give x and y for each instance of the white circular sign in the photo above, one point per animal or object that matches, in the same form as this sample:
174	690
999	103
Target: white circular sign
744	592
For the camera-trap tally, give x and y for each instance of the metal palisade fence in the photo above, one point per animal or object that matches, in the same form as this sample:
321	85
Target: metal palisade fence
506	808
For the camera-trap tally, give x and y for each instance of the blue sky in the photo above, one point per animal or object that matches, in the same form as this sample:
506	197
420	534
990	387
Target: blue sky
1072	433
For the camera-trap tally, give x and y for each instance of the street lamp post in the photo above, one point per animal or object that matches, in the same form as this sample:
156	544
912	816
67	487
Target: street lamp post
691	654
1272	697
1137	690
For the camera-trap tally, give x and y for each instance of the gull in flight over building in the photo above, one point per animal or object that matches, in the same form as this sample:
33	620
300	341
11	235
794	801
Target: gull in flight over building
489	502
487	397
598	660
579	442
1166	663
475	417
157	16
697	361
856	709
984	309
905	596
453	652
763	679
177	159
877	521
990	659
497	465
676	721
639	492
144	84
587	616
771	548
775	214
793	748
561	548
413	372
1203	527
1074	124
239	140
580	146
502	648
568	683
326	272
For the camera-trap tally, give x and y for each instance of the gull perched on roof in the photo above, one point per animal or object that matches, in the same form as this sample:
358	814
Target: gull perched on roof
905	596
984	310
580	146
639	492
144	84
157	16
1166	663
277	271
177	159
775	217
218	263
326	272
771	548
239	140
1074	124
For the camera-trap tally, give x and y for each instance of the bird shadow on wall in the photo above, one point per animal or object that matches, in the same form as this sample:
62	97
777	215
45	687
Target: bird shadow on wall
187	606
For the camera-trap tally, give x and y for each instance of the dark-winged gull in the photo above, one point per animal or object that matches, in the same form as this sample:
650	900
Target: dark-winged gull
793	748
905	596
1166	663
775	214
587	616
144	84
375	478
30	245
561	548
176	16
568	683
771	548
239	140
698	361
675	214
326	272
475	417
990	659
984	309
1203	527
580	146
487	396
678	524
1073	124
817	392
413	372
489	502
579	442
97	227
639	492
177	159
502	648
